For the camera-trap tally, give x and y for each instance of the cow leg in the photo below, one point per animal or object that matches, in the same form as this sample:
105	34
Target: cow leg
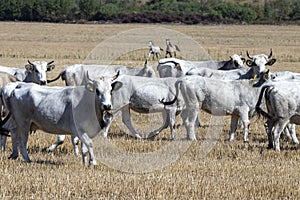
189	116
268	127
165	125
87	148
246	123
127	121
292	130
59	141
278	128
3	142
75	142
233	126
23	135
15	144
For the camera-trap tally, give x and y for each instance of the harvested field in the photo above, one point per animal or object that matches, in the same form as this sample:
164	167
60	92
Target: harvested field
230	170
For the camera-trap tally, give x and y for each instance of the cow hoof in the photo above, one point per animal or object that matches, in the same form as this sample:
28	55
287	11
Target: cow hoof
13	157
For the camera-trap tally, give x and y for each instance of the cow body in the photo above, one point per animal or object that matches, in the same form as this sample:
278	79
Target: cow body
173	67
142	95
73	75
74	110
232	97
282	100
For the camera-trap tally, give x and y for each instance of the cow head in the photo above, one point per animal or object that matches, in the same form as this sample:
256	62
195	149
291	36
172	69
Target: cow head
36	71
103	88
237	60
259	62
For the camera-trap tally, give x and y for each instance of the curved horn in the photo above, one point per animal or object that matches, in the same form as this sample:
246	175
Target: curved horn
249	56
49	63
116	76
270	55
29	62
88	77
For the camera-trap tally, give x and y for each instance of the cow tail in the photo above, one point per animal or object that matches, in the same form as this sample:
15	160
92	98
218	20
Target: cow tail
258	109
61	74
166	103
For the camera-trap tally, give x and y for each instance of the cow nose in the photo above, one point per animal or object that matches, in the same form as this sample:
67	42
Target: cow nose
43	82
107	107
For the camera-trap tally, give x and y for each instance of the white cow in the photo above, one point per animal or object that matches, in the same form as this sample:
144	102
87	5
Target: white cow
142	95
77	110
283	105
34	72
223	97
173	67
73	75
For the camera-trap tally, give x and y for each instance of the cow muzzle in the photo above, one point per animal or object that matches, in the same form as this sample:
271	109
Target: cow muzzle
107	107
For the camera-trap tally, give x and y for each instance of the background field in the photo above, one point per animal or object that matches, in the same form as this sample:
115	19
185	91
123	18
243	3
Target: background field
230	170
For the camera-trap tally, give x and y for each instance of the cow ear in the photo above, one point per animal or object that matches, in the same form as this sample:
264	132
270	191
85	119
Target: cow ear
271	62
50	67
243	59
231	60
29	67
90	87
249	63
116	85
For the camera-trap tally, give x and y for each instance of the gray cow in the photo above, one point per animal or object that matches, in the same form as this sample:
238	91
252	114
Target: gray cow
73	75
282	102
173	67
33	72
223	97
77	110
142	95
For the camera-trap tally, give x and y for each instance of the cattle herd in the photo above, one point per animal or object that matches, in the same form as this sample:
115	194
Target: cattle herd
94	94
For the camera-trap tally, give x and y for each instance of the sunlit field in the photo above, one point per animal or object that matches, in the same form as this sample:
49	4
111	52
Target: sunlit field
230	170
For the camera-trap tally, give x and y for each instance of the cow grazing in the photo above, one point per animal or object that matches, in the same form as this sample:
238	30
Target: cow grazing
173	67
76	110
73	75
171	49
154	50
223	97
34	72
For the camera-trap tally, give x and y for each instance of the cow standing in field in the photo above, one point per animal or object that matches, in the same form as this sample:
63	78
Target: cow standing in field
142	95
231	97
283	105
77	111
34	72
173	67
73	75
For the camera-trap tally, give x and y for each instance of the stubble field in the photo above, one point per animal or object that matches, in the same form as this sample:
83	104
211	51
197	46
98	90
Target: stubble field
230	170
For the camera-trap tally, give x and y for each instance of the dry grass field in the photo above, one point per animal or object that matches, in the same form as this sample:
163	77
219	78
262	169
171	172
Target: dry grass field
231	170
